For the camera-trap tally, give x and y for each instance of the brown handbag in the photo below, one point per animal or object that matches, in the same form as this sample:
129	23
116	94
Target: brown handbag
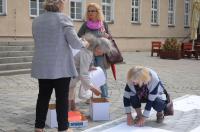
169	109
116	56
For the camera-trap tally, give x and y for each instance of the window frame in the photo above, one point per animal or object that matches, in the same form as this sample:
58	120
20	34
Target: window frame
37	8
139	11
82	10
111	9
158	12
187	14
4	8
173	12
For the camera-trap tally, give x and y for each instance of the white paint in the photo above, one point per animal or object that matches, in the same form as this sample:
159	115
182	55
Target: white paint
196	129
125	128
187	103
184	103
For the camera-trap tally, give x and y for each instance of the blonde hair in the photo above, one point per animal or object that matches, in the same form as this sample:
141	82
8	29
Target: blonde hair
53	5
100	16
140	74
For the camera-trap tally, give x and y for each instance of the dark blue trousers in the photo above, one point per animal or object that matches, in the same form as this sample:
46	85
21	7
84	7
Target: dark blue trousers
158	104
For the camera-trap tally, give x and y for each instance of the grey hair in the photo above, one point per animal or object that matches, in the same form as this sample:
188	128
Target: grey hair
103	43
92	40
106	45
53	5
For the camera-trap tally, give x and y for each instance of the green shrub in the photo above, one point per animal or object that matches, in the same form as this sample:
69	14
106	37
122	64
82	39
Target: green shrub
171	44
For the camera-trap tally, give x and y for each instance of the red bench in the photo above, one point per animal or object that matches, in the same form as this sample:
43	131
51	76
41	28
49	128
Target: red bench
155	47
186	50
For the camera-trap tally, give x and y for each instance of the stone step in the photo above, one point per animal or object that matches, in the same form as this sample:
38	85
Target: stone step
15	57
5	60
15	66
15	72
17	43
15	53
16	48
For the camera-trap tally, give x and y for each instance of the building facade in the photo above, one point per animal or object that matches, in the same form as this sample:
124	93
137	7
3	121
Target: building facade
133	23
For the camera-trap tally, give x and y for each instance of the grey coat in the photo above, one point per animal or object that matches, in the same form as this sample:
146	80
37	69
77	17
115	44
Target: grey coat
83	60
54	34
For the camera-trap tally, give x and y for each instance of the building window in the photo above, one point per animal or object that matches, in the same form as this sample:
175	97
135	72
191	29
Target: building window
2	7
154	12
171	12
135	11
187	13
76	9
36	7
107	7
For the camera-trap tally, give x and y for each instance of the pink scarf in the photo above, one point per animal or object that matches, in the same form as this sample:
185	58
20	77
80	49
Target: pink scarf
94	25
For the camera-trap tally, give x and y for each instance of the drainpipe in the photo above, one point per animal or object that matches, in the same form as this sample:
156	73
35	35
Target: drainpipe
15	24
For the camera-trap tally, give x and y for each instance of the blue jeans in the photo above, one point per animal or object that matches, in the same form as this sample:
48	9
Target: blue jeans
158	104
98	61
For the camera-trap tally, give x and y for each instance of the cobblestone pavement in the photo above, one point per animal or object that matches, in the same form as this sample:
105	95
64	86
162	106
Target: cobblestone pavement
19	93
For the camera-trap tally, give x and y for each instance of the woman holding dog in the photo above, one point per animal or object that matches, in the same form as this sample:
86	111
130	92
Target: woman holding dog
95	25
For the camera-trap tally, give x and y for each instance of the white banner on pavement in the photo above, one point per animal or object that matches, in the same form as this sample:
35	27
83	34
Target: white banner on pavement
125	128
187	103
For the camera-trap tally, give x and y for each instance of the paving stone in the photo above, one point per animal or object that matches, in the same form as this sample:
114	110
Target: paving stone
19	93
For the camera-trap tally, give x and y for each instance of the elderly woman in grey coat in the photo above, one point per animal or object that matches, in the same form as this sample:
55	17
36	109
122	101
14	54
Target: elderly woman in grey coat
83	60
53	63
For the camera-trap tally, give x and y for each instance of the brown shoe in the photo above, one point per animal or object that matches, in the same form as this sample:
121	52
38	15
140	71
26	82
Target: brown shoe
39	130
160	117
72	106
88	101
68	130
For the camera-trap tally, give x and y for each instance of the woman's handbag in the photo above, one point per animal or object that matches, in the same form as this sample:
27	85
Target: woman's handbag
169	109
116	56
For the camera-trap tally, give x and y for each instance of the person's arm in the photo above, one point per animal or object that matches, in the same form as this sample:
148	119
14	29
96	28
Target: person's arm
127	105
85	61
70	33
108	33
126	99
153	94
82	29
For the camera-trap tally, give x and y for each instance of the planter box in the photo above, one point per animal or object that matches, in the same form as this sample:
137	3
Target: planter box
175	55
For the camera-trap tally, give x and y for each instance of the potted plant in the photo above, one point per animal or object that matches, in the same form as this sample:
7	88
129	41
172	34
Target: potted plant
171	49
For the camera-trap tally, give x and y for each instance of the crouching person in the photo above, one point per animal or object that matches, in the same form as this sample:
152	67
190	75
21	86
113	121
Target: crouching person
144	86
